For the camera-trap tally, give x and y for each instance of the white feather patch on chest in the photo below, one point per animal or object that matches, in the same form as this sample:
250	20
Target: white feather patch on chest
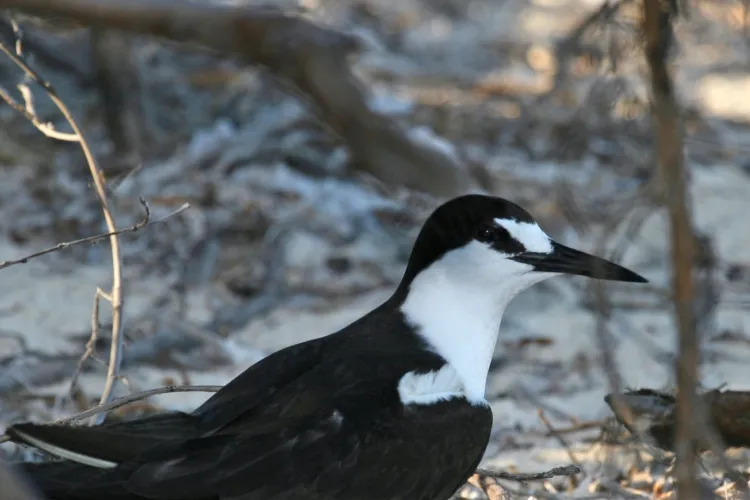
456	305
431	387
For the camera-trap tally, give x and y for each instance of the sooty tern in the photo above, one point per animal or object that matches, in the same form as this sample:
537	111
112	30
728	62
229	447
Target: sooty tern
390	407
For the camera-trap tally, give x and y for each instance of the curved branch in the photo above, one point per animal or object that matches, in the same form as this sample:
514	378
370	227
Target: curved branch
116	295
310	57
117	403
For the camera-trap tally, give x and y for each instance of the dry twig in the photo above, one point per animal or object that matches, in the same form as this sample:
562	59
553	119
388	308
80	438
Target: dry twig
578	427
116	294
90	350
117	403
95	238
100	294
567	470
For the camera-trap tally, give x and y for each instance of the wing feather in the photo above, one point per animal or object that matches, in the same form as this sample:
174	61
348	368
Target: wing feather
309	437
323	424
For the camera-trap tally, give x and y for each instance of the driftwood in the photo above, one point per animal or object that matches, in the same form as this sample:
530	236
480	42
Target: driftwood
310	57
653	413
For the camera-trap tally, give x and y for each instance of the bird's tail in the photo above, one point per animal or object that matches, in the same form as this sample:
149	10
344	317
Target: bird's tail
67	480
97	461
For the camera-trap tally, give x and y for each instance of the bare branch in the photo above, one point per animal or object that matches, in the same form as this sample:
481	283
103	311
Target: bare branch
97	237
117	403
98	177
46	128
310	57
91	344
28	110
671	169
88	239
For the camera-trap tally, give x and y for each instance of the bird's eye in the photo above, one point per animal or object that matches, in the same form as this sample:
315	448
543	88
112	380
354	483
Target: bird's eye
486	233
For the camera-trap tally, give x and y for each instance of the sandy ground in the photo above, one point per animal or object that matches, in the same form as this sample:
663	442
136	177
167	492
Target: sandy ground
45	307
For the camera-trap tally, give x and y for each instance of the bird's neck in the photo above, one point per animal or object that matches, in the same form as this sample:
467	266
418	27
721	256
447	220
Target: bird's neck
460	321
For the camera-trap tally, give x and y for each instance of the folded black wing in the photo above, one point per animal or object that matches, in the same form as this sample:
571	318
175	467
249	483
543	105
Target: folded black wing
111	444
259	383
334	432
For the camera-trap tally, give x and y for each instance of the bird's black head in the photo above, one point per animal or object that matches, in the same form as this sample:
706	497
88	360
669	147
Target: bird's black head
495	241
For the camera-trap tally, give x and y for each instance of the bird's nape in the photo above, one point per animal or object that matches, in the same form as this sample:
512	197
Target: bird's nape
566	260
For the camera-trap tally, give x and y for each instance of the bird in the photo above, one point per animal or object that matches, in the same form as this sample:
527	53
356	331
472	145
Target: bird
390	407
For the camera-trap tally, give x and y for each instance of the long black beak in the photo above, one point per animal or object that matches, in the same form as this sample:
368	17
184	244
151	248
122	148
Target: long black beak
566	260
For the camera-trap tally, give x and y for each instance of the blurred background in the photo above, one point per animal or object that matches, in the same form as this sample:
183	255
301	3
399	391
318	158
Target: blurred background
304	206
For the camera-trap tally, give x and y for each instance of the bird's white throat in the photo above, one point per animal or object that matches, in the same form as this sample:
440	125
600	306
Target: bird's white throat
456	305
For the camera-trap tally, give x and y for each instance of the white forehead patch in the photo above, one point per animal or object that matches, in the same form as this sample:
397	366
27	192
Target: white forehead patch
529	234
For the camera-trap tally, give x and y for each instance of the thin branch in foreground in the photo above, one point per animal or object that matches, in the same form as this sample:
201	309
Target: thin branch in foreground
146	221
89	239
90	350
565	471
117	403
99	294
28	97
118	301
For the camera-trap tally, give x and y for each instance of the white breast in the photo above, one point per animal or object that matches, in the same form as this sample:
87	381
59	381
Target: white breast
456	305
